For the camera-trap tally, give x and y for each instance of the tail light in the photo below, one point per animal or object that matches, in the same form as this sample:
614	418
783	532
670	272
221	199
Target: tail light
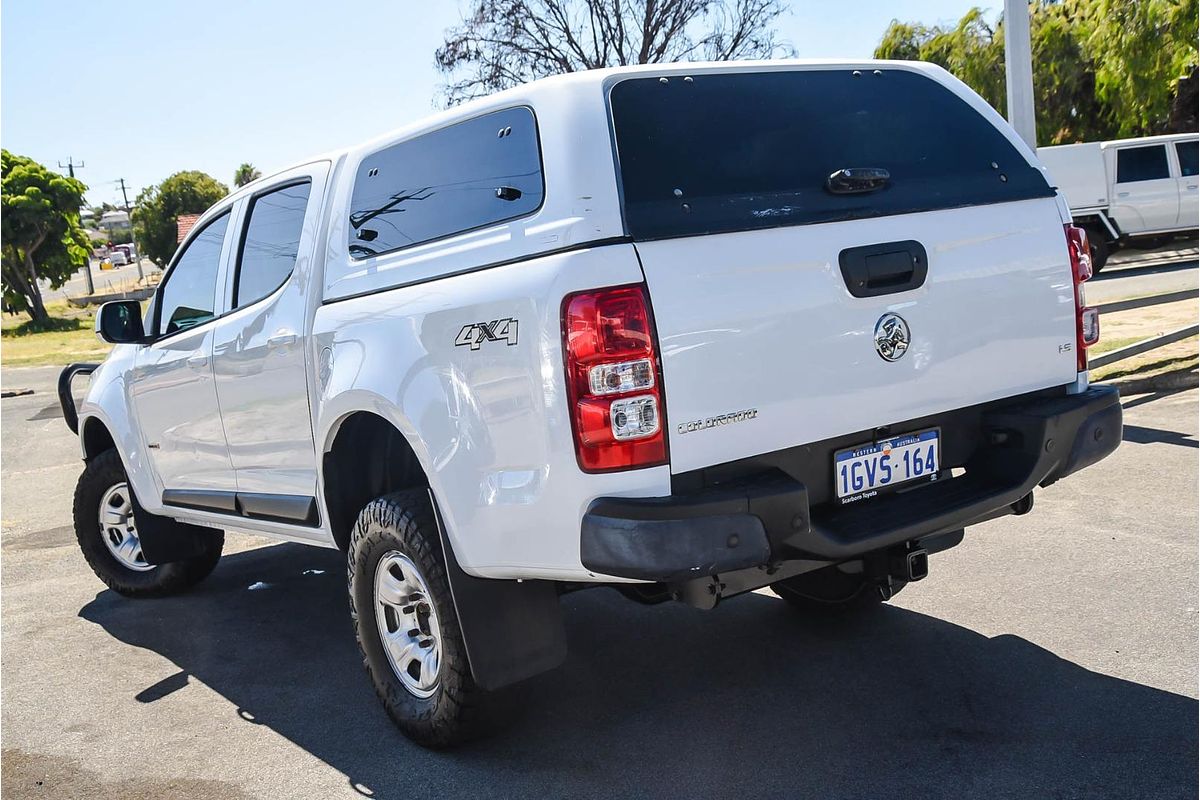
1087	318
614	384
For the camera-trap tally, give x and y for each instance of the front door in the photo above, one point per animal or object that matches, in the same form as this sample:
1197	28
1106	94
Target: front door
1145	197
172	389
260	348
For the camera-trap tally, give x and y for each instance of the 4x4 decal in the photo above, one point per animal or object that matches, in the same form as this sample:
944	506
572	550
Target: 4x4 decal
475	334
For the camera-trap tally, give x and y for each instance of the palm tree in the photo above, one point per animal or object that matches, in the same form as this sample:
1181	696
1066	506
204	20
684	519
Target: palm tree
245	173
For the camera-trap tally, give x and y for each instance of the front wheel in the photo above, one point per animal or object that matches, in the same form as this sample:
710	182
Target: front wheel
107	534
406	624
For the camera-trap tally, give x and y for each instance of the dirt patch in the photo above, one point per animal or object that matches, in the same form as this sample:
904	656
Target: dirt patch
33	775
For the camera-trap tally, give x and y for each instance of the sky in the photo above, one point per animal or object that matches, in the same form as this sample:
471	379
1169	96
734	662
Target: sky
141	89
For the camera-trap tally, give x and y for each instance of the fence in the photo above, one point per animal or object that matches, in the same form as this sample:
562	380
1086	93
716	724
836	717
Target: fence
1154	342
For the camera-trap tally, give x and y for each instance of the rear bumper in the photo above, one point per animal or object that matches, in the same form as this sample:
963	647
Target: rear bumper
767	517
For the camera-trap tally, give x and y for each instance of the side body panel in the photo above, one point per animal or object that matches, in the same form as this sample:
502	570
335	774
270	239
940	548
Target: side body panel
490	423
1077	171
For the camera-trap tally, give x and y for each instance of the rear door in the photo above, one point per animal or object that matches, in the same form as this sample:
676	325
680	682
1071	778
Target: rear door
1146	195
259	348
771	271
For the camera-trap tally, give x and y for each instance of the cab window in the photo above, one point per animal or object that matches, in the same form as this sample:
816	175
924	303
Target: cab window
189	294
1187	158
1142	164
271	243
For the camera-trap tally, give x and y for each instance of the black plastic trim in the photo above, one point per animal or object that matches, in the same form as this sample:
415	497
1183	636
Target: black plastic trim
886	268
289	508
201	500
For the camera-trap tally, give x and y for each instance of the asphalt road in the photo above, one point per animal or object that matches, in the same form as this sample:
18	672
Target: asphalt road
1050	655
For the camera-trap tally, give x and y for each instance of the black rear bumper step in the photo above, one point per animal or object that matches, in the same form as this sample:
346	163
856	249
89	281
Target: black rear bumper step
767	518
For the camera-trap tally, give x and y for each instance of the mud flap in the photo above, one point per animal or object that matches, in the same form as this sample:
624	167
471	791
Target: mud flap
164	540
513	630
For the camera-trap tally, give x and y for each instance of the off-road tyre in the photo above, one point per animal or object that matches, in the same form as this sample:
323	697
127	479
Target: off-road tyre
403	522
1100	249
830	591
102	473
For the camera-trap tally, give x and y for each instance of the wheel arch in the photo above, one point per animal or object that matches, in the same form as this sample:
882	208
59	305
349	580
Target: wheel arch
365	455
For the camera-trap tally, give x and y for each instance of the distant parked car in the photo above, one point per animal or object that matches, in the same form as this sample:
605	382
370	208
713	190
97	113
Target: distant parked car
120	256
1128	193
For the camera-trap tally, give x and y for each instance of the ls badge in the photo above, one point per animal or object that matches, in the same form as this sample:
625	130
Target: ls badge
475	334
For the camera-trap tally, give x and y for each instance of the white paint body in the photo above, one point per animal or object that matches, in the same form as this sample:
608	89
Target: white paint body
1087	175
745	320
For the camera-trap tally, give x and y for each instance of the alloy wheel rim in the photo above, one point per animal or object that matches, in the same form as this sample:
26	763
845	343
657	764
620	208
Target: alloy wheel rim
408	624
119	530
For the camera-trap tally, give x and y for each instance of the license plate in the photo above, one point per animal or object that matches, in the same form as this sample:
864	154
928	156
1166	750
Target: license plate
863	471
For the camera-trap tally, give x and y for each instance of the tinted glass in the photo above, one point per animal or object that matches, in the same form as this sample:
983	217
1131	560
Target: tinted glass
1142	164
271	243
764	160
476	173
1187	158
189	296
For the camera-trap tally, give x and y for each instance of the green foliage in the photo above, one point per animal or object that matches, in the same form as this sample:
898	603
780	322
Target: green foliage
1102	69
158	207
42	235
245	174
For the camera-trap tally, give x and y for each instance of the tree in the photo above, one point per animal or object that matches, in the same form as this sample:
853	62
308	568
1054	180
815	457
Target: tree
42	235
245	174
158	207
501	43
1103	69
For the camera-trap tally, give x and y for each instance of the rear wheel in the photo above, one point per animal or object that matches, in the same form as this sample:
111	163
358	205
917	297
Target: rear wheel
406	624
832	591
1100	248
108	538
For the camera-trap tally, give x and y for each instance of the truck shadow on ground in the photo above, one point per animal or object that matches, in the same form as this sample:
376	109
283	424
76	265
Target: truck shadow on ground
667	701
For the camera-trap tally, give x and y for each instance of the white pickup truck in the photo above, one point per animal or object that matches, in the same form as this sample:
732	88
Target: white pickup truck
586	332
1128	193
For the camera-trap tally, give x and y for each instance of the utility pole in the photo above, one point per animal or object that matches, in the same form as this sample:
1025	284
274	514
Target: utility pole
87	268
128	213
1018	70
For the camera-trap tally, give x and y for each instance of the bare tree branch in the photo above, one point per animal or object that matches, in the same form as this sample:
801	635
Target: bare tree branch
501	43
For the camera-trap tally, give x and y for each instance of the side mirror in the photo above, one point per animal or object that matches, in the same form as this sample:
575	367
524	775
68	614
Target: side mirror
120	322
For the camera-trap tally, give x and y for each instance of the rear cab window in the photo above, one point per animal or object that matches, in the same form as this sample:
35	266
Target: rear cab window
472	174
1148	163
764	160
271	243
1187	158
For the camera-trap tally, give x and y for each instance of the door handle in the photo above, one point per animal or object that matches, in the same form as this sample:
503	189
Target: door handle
1122	194
197	362
282	339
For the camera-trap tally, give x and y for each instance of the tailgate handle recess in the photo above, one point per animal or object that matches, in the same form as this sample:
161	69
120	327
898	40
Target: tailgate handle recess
886	268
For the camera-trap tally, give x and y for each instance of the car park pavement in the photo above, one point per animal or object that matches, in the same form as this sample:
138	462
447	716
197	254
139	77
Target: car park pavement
1050	655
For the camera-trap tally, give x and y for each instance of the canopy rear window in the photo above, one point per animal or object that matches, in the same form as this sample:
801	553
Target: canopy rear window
738	151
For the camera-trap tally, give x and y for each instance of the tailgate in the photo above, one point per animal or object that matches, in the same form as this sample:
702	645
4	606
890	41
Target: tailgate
769	288
763	321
